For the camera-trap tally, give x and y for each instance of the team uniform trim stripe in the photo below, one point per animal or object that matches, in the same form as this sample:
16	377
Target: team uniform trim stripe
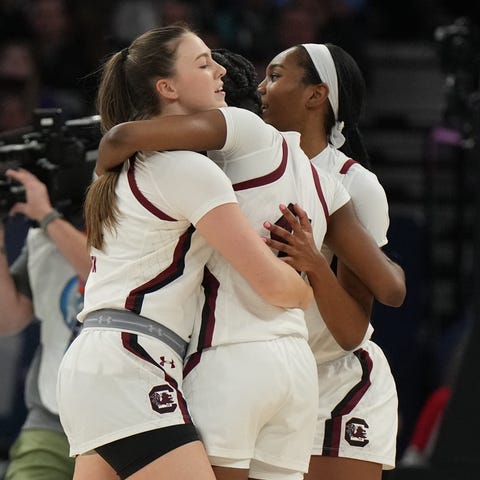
191	363
141	198
210	286
333	426
135	298
130	343
346	166
318	187
269	177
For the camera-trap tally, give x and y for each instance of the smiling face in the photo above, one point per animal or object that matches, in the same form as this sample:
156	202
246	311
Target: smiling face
197	82
284	94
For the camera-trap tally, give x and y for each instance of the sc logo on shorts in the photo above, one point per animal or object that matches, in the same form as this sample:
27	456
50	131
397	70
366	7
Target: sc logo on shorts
161	399
356	430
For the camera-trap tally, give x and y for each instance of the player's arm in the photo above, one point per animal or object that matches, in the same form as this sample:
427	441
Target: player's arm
275	281
345	304
371	208
196	132
355	247
346	318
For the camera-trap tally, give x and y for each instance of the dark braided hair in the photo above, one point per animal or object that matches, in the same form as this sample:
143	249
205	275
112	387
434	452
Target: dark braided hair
240	82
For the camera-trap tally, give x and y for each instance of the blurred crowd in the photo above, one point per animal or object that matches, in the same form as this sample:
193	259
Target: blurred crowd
51	50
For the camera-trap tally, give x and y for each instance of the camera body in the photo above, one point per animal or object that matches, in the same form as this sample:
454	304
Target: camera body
61	155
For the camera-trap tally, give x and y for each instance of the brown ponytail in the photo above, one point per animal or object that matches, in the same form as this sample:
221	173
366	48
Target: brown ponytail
127	92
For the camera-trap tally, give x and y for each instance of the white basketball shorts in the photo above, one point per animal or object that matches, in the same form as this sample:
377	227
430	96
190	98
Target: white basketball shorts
115	384
255	405
358	408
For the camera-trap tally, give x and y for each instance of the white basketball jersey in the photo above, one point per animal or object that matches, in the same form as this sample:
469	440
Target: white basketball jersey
266	169
371	207
152	264
368	196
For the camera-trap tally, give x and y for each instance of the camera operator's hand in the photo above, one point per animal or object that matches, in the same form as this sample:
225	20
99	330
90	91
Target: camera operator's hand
71	242
37	203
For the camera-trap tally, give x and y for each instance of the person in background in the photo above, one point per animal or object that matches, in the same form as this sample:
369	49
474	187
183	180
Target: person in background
61	55
19	87
16	110
46	283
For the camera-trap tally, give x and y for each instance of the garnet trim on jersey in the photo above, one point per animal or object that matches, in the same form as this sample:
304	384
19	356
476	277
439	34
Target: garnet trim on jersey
141	198
210	285
135	298
320	192
346	166
269	177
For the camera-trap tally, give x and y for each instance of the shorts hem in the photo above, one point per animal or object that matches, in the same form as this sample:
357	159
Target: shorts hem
237	455
228	454
386	464
293	465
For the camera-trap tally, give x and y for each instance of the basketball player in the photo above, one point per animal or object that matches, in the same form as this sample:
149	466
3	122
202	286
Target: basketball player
120	382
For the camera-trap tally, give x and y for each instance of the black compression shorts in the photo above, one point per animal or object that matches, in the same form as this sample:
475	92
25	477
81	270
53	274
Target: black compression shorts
128	455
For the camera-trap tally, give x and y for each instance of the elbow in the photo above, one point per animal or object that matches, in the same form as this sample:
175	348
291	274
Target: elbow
118	138
399	297
116	135
306	297
113	149
350	344
394	296
352	334
286	295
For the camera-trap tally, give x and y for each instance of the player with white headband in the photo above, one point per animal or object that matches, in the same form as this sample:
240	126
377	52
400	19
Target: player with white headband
319	91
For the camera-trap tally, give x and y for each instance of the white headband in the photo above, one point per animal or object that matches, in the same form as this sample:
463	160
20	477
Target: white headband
323	62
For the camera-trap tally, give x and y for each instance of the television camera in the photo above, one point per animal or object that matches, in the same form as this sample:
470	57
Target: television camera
60	154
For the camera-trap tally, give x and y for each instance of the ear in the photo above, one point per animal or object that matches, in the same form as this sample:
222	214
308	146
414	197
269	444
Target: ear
166	88
318	95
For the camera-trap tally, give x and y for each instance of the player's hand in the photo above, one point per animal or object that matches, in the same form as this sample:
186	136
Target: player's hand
298	245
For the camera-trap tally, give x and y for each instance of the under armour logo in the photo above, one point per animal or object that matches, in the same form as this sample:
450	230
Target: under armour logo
164	362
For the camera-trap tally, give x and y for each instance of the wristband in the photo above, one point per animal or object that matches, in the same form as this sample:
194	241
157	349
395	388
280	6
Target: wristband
49	218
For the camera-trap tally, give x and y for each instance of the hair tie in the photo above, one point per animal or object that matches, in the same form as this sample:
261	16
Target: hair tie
124	53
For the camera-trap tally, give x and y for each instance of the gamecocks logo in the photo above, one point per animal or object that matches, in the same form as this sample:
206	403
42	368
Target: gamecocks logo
161	399
356	430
